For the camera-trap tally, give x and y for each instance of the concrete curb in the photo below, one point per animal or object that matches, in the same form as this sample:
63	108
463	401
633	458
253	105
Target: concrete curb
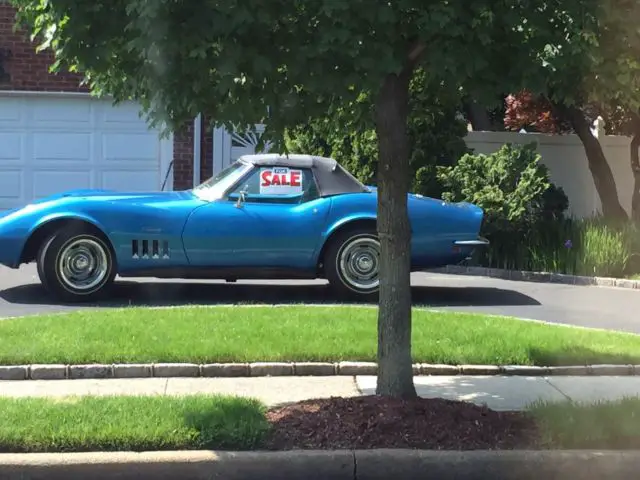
540	277
280	369
335	465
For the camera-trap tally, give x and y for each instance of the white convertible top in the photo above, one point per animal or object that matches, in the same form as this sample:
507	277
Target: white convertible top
331	177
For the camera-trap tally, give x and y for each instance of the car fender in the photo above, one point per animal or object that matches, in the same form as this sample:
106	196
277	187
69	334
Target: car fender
333	227
45	219
17	232
338	225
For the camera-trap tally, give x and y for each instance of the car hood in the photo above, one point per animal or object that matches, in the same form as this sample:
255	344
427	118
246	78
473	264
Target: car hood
113	195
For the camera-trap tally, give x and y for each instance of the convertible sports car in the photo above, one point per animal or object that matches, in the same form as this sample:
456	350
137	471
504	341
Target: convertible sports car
264	217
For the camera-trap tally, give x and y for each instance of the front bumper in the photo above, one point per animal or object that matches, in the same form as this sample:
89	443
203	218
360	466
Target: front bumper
10	250
478	242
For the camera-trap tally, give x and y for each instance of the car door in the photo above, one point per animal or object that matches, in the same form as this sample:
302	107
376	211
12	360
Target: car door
272	219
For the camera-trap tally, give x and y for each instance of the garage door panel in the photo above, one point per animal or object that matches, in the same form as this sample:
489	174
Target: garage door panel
129	180
11	146
49	182
51	146
124	114
11	184
130	146
57	110
11	112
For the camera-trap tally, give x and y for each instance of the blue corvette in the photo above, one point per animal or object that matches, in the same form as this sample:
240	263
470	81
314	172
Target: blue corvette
263	217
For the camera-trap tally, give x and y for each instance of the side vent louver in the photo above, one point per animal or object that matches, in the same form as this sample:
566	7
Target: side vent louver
155	249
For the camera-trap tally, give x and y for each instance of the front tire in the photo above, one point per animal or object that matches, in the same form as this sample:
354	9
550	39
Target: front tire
352	263
76	266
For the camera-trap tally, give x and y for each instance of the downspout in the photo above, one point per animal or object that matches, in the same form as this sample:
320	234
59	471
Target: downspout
197	142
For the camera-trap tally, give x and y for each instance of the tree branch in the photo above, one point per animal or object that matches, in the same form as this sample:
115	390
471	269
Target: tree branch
415	52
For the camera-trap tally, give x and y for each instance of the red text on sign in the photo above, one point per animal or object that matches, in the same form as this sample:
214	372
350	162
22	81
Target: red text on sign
290	179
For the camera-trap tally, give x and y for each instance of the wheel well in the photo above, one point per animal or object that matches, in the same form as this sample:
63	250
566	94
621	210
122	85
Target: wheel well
353	224
33	243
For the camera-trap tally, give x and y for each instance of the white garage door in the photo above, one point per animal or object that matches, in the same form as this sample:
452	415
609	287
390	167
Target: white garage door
49	144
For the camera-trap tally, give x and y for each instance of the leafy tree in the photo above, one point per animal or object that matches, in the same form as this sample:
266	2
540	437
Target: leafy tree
284	62
436	135
582	83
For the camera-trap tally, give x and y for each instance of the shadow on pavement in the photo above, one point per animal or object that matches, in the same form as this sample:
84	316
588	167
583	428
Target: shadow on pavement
166	293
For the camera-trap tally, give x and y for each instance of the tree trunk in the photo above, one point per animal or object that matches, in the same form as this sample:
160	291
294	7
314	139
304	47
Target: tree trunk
635	168
600	171
395	374
478	116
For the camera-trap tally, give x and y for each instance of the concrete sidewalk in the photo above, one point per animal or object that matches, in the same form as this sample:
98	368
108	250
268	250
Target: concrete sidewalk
497	392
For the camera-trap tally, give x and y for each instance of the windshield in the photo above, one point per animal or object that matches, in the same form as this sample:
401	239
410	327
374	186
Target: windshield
213	188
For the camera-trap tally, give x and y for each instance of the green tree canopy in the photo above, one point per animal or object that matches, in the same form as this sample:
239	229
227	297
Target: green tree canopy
282	62
435	128
598	74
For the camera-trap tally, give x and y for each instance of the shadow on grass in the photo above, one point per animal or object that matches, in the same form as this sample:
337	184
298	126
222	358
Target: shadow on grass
611	425
234	426
185	293
580	356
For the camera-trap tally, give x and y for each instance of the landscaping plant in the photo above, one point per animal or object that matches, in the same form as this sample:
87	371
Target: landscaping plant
526	219
604	249
589	247
513	188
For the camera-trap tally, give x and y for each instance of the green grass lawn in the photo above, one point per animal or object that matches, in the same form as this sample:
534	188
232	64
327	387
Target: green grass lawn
131	423
295	333
226	423
610	425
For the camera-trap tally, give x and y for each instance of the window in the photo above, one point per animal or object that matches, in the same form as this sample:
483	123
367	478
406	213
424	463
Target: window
214	187
278	185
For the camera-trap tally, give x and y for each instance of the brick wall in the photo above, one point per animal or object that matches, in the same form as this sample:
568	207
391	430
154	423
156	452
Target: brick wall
183	155
29	71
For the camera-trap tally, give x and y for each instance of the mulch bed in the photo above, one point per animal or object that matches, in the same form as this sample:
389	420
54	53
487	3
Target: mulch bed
379	422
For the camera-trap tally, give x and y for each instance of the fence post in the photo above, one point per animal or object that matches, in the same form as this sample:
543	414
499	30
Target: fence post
598	127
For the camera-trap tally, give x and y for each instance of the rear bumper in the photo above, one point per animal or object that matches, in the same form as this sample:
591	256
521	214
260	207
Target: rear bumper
478	242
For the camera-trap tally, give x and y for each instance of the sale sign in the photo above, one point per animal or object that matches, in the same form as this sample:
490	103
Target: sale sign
280	181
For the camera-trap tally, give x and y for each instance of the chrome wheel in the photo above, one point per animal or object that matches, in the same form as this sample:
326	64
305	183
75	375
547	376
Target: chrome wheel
83	265
359	263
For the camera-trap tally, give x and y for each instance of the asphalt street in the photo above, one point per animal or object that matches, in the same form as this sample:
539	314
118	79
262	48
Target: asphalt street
601	307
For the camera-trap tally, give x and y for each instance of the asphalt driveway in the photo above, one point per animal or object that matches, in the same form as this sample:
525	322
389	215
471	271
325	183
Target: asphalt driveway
617	309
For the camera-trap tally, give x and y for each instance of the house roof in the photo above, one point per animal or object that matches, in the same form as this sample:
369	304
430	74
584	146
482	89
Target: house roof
331	177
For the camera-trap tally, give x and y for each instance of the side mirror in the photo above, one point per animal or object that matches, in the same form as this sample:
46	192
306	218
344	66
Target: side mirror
241	198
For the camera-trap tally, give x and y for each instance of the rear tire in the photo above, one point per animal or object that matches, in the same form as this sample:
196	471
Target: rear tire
352	263
76	265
